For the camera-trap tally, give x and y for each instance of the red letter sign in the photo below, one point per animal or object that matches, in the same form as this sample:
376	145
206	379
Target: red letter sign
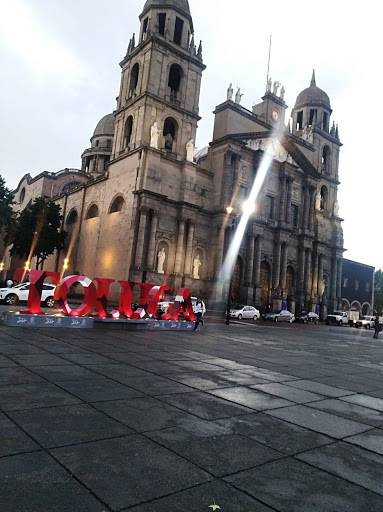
102	299
90	295
182	302
36	281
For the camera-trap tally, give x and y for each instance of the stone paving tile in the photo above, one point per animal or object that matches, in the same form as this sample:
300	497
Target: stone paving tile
17	375
371	440
292	486
321	389
117	371
61	426
274	433
159	367
63	373
350	411
202	498
269	375
378	393
156	385
39	360
320	421
217	453
127	357
20	349
296	395
32	395
251	398
352	386
13	440
99	389
205	406
35	482
199	366
351	463
241	379
365	401
130	470
88	358
146	413
5	362
200	380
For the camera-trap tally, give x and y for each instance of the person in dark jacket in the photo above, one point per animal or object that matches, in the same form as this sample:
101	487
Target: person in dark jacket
377	327
199	311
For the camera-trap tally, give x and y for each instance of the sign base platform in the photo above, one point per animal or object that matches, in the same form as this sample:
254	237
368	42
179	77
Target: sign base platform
150	325
52	321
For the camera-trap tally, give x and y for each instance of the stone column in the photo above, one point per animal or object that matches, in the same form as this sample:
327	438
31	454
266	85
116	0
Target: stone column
219	252
189	250
152	241
307	271
284	267
315	275
301	270
250	260
180	246
306	210
290	181
257	263
320	288
277	264
334	280
312	208
339	279
141	238
282	204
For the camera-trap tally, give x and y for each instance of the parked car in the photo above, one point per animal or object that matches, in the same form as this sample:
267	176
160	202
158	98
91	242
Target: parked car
279	316
366	321
240	311
164	304
307	318
20	293
338	318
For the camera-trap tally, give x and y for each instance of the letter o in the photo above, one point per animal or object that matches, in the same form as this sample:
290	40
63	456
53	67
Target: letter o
90	295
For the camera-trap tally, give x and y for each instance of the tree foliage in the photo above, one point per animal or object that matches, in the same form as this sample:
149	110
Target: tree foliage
6	202
378	292
38	231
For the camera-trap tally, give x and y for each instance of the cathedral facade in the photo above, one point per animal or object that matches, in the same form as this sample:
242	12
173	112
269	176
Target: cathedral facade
146	207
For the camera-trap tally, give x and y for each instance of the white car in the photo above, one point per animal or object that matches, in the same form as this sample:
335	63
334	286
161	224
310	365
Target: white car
20	293
239	311
164	304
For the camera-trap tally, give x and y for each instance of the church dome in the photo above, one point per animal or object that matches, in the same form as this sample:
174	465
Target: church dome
313	96
182	5
105	126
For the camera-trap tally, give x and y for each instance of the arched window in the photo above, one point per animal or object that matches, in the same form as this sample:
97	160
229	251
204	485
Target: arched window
326	153
175	77
128	131
69	186
323	198
134	80
72	217
117	204
170	133
92	212
22	196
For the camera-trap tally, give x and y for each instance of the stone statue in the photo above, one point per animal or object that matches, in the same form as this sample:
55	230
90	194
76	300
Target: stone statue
196	265
269	84
318	201
190	151
154	135
161	260
276	86
238	96
336	209
283	90
230	92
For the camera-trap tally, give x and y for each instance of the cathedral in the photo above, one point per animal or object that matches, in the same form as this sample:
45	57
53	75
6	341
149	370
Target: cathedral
147	207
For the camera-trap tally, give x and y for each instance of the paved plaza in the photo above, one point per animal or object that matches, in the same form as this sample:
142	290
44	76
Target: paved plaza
250	417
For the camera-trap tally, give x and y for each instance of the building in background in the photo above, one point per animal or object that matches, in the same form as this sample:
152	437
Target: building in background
146	207
358	287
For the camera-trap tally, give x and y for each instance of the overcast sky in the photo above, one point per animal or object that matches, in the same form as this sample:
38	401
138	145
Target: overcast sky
60	75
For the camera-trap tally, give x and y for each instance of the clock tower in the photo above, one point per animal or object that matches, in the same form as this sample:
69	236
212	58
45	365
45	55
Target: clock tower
273	107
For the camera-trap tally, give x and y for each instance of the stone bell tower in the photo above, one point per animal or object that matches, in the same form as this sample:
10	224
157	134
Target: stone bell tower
158	103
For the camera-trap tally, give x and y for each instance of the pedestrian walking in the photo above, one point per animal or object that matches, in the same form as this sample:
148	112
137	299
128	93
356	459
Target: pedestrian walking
377	327
199	310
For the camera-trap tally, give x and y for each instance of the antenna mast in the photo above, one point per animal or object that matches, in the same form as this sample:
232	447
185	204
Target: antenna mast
268	64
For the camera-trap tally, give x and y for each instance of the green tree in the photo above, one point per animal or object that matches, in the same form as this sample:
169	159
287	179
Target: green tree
378	292
38	231
6	202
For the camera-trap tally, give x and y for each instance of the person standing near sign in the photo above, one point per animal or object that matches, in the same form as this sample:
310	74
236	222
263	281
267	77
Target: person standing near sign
199	310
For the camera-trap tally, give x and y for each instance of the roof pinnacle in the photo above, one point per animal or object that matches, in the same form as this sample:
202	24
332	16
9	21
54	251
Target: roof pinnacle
313	81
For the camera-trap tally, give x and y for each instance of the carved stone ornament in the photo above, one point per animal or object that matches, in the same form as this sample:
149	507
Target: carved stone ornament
273	147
